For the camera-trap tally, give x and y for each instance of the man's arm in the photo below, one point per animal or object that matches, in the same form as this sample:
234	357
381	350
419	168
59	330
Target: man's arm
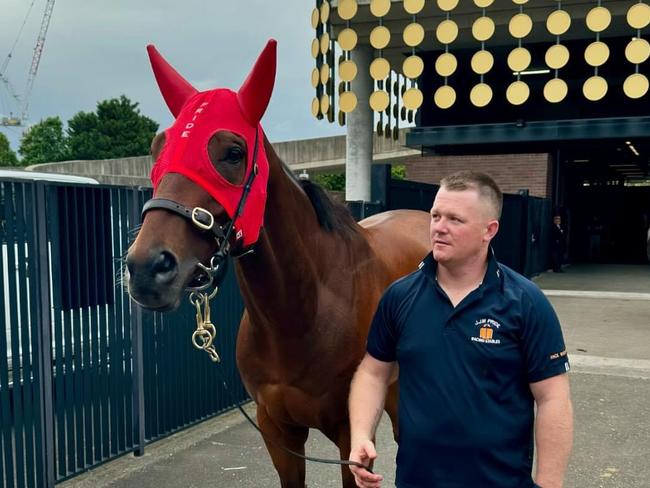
553	429
366	404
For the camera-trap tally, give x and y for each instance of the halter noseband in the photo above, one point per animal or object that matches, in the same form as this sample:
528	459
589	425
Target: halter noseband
205	222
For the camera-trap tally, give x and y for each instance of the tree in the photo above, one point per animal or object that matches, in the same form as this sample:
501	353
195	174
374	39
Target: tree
44	143
7	156
115	130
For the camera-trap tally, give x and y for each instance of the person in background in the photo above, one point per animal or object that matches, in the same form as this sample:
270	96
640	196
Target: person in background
558	244
477	347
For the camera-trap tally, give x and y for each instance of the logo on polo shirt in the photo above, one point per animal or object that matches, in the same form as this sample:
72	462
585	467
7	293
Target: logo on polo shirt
486	331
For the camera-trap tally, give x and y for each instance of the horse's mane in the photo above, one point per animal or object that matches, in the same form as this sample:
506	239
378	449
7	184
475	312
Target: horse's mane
332	215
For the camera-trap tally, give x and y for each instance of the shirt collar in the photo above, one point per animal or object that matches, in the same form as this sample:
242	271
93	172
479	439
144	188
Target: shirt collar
493	274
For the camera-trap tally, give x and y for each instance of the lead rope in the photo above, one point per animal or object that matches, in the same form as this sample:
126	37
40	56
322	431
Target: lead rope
203	339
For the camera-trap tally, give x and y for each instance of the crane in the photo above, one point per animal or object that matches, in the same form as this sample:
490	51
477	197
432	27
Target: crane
36	59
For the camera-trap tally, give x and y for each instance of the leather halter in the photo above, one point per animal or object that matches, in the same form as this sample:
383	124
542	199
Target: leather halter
205	222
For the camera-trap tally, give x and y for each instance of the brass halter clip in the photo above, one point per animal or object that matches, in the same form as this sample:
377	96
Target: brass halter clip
205	333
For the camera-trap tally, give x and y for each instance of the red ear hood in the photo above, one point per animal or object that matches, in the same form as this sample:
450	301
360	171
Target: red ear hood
174	88
200	115
255	93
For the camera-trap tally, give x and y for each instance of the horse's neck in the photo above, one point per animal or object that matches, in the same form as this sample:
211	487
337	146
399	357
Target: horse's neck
279	280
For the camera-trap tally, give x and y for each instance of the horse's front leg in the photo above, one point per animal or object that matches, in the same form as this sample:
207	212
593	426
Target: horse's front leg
340	435
290	468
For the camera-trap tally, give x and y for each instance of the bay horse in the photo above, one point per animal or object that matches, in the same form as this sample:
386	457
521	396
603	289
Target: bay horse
312	281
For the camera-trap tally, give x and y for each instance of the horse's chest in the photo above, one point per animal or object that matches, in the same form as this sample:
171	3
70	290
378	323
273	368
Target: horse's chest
291	405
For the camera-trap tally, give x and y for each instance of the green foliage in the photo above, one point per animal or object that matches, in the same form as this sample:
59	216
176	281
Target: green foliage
336	181
7	156
44	143
398	172
331	181
115	130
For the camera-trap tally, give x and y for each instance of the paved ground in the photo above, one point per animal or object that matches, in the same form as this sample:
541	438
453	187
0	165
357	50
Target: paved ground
605	313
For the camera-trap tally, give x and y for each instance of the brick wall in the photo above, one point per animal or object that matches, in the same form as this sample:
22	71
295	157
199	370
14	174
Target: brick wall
512	172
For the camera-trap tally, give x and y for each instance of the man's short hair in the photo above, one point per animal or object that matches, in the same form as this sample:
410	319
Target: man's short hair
474	180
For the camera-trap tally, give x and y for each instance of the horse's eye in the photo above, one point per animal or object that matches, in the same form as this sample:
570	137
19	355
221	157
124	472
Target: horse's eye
234	155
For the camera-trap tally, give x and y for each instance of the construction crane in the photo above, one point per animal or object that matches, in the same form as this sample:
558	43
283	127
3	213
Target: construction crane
36	59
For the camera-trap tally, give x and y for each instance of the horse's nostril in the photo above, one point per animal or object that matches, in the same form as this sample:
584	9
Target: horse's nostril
164	265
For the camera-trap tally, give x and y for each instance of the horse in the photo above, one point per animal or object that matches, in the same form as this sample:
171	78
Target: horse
310	276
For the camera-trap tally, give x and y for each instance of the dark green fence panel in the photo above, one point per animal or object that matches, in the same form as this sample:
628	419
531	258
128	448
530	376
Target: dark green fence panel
74	404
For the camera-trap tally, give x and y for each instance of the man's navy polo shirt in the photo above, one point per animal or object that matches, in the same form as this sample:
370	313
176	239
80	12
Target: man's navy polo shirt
465	408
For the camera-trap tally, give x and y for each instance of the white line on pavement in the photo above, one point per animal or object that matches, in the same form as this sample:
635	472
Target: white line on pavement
632	368
611	295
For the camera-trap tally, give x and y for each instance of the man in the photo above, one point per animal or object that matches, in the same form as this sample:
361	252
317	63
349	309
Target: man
558	243
477	346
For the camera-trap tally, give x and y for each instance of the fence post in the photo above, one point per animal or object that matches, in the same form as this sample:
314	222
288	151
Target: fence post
138	352
44	338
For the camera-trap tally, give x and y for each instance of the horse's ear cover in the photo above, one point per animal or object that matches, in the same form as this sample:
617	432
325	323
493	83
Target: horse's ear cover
174	88
199	115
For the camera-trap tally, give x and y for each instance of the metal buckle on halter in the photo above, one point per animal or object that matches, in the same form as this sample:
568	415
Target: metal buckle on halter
199	215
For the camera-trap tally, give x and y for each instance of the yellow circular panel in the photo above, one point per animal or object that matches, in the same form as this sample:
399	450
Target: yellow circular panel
518	92
324	73
519	59
413	66
447	31
594	88
598	19
379	68
480	95
324	104
348	39
324	43
596	53
347	9
555	90
347	101
520	2
446	64
315	48
315	107
348	70
315	77
520	26
483	28
447	5
412	98
379	8
325	12
379	100
483	3
637	51
315	17
380	37
636	85
413	6
444	97
557	56
558	22
482	62
413	34
638	16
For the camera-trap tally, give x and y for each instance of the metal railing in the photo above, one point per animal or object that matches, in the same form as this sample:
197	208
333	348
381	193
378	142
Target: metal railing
85	375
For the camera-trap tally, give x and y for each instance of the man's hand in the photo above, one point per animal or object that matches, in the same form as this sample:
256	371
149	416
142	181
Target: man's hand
365	454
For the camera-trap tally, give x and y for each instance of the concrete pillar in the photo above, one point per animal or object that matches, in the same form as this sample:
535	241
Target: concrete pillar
359	124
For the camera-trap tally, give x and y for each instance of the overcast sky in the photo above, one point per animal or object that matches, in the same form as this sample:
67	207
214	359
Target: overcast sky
95	50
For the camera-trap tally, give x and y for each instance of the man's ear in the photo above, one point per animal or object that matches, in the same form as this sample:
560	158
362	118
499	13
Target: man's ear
491	230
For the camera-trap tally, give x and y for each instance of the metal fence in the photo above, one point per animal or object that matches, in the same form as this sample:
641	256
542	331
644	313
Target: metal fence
85	376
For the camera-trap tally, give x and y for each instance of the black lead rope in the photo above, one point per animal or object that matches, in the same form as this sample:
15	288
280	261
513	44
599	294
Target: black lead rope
340	462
